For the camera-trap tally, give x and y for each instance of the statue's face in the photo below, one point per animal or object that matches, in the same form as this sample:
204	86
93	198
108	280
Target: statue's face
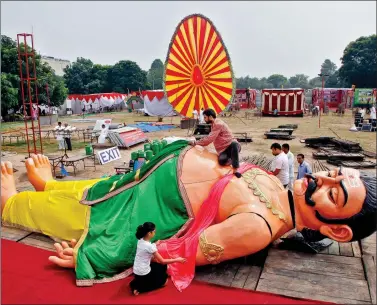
337	194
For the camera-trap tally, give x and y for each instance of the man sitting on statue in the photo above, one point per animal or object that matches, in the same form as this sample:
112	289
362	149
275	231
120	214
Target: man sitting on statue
222	138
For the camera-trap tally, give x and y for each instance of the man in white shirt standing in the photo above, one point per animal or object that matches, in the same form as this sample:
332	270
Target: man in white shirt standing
103	135
362	111
291	158
195	114
373	113
59	135
280	165
201	116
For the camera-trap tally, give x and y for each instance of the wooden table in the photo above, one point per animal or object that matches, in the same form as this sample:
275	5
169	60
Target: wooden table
121	169
74	161
90	135
55	160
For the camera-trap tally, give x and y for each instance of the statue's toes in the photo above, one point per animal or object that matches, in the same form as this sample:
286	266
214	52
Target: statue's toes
30	165
9	168
36	160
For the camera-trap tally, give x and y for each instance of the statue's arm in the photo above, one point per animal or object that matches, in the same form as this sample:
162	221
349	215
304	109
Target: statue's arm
240	235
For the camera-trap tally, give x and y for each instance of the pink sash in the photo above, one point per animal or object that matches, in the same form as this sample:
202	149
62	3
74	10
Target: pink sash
186	246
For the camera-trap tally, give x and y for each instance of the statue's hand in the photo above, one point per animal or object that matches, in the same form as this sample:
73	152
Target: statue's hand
65	253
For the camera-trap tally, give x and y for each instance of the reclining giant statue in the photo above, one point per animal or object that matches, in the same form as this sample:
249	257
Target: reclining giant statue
200	210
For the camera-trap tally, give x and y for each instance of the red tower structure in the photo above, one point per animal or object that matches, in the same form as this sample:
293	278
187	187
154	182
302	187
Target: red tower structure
29	93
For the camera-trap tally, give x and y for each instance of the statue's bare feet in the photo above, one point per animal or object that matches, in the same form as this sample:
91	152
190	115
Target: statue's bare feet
38	171
8	186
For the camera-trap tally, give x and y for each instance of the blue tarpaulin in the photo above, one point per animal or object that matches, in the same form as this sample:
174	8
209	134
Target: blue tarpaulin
145	127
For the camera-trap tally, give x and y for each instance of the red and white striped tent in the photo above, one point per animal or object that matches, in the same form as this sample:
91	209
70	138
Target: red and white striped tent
288	102
156	103
97	100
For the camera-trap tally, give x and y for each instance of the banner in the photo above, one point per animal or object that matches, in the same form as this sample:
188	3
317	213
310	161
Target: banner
364	97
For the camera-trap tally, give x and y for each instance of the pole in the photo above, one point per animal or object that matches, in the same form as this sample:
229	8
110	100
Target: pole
48	103
323	96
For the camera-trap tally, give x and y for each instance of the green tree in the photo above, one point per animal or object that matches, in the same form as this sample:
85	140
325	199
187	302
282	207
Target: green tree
299	81
85	77
328	67
277	80
9	92
155	74
334	81
10	81
78	76
359	63
127	75
315	82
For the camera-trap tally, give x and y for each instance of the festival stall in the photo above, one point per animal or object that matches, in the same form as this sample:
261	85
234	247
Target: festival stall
156	103
93	101
288	102
332	97
365	97
241	98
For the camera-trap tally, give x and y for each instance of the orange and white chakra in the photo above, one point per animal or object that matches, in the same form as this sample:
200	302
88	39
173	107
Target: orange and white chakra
198	72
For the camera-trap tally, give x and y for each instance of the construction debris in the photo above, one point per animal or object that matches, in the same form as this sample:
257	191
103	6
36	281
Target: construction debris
318	166
353	164
278	135
285	130
260	160
290	126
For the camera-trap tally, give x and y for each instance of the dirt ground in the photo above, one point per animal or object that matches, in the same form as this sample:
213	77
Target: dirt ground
307	127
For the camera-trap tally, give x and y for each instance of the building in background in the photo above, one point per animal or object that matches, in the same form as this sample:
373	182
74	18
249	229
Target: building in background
56	63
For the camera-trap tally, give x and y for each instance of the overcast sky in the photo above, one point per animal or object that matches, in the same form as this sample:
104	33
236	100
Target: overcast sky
262	37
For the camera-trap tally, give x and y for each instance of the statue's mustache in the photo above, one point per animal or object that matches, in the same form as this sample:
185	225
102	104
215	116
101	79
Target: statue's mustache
312	186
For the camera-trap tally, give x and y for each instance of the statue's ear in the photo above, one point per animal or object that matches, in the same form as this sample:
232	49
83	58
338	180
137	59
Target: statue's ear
340	233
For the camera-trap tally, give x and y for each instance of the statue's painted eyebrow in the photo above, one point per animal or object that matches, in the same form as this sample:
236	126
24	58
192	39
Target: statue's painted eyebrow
344	191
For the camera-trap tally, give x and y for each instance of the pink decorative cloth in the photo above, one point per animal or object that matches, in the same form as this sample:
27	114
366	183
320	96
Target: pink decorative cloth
186	246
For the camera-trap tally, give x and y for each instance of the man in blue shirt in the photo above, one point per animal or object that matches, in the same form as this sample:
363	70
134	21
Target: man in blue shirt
303	167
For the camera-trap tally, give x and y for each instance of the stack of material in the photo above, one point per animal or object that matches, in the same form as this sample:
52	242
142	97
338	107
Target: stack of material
116	139
358	165
319	142
202	129
324	155
318	166
346	145
260	160
278	135
283	132
290	126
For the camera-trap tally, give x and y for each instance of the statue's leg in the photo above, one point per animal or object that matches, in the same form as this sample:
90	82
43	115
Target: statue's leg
39	173
54	213
77	185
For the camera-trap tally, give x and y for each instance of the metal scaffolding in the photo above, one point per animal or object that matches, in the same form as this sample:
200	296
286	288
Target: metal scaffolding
29	93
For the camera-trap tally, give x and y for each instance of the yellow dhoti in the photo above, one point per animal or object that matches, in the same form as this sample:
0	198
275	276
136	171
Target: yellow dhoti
55	212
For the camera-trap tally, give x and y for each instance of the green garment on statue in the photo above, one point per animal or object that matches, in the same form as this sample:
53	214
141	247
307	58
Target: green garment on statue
109	247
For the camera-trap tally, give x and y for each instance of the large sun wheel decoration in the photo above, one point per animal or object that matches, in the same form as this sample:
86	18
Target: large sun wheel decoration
198	71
